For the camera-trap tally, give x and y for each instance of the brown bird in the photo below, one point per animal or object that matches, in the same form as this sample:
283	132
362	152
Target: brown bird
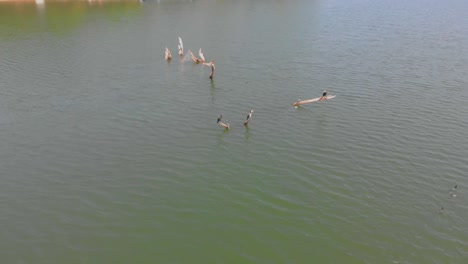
168	55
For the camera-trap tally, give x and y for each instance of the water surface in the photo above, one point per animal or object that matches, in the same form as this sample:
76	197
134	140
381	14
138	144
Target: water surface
109	154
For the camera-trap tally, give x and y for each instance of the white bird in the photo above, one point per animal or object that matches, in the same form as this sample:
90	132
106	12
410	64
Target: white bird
200	53
181	47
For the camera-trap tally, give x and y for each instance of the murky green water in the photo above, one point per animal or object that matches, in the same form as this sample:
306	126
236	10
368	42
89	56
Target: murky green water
109	154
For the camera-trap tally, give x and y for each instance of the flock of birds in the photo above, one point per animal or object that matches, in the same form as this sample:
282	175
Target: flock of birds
180	46
168	57
226	125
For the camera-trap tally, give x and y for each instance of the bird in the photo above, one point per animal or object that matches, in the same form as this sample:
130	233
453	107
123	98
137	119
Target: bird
248	118
168	55
200	53
442	210
219	118
181	47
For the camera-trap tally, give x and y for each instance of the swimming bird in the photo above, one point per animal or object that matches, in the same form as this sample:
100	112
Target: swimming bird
181	47
248	118
219	118
454	188
442	210
168	55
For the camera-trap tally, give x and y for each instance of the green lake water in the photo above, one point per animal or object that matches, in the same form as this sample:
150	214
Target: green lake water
110	154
